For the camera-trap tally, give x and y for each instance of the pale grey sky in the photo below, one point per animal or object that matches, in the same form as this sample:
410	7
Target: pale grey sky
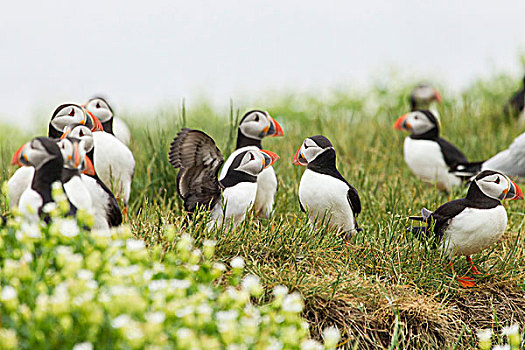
142	54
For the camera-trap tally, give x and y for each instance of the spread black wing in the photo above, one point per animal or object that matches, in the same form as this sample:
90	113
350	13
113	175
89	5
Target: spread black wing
451	153
198	159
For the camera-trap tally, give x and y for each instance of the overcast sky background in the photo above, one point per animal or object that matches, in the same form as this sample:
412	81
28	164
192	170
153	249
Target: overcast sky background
143	54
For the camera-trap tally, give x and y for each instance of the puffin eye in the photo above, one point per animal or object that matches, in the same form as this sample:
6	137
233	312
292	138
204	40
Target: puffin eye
305	146
81	133
97	105
252	157
72	112
416	117
256	118
497	180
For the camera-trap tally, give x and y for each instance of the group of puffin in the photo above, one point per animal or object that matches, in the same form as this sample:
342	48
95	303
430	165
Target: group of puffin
229	189
84	156
88	156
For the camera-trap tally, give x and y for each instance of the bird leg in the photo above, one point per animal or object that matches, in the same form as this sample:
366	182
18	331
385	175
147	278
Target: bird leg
125	213
473	268
465	281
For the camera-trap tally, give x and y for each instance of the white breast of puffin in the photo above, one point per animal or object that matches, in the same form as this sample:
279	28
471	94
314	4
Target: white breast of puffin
238	200
30	202
78	194
426	161
322	195
18	183
100	200
473	230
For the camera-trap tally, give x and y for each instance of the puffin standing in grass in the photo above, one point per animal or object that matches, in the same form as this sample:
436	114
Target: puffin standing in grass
254	126
199	160
425	97
113	160
64	115
469	225
430	157
323	192
106	210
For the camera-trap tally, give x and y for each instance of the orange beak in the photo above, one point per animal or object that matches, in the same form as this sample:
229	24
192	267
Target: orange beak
16	156
298	159
77	155
514	192
273	157
437	96
89	168
401	123
97	125
277	127
67	131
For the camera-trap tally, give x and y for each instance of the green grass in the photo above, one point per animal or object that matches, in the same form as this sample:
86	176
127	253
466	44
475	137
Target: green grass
387	289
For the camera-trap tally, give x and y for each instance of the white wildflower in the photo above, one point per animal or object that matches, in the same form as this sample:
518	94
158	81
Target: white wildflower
226	316
484	334
85	275
30	230
511	330
237	262
219	266
311	344
501	347
8	293
280	291
155	317
83	346
68	227
252	284
135	244
331	336
120	321
49	207
179	284
293	303
157	285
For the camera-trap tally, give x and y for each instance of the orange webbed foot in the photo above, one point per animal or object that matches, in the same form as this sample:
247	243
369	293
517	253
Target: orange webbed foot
466	282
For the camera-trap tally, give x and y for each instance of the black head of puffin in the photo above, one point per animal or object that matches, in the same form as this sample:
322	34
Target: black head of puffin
37	152
257	124
424	94
417	122
497	186
66	115
311	148
252	162
99	108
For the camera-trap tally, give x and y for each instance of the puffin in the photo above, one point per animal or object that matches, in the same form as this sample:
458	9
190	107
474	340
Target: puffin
63	116
106	210
430	157
115	126
253	127
44	155
198	160
75	161
113	160
516	104
323	192
469	225
425	97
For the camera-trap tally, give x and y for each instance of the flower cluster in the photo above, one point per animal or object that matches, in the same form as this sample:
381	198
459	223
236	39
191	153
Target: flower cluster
512	334
62	286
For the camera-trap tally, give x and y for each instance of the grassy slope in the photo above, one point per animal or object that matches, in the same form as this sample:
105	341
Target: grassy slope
387	288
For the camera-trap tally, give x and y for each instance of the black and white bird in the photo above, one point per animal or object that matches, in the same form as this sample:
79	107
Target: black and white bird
430	157
99	107
64	116
106	210
516	104
253	127
113	160
425	97
199	160
323	192
45	156
469	225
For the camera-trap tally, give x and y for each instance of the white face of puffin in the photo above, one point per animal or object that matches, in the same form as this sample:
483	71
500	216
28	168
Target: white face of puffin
99	108
259	124
308	152
253	162
416	122
33	154
68	115
73	153
80	132
498	186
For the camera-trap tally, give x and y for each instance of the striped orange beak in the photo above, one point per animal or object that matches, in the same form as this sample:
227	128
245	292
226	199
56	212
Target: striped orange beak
401	123
16	160
89	169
